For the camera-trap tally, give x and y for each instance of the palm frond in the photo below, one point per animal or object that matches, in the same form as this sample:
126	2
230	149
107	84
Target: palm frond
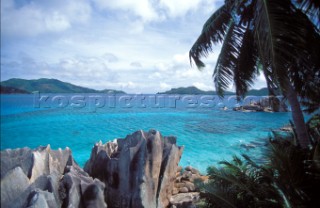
246	69
227	60
311	8
305	71
281	36
241	182
214	194
213	32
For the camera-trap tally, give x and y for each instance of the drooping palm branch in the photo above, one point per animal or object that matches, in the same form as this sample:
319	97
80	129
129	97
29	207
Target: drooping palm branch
278	35
213	32
282	36
311	8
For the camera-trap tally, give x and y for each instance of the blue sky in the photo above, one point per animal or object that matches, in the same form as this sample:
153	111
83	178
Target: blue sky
139	46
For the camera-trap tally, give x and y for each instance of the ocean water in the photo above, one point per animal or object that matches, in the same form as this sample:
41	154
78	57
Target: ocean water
208	133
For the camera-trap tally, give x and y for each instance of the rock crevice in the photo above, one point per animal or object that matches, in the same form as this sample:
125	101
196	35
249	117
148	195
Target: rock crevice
138	171
46	178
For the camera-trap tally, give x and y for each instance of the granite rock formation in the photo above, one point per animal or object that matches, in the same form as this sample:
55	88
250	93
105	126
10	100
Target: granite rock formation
138	171
185	193
46	178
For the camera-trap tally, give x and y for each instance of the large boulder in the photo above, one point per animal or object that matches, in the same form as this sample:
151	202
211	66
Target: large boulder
274	104
43	177
81	190
138	171
185	193
185	200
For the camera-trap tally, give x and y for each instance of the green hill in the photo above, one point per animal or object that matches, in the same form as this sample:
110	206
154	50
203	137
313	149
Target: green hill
260	92
11	90
110	91
44	85
190	91
195	91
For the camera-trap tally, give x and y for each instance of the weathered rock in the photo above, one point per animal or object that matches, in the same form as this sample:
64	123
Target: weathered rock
190	186
32	178
138	171
79	186
93	196
175	191
42	199
39	168
184	200
186	175
204	179
183	189
274	104
193	170
184	193
178	178
13	184
179	185
19	157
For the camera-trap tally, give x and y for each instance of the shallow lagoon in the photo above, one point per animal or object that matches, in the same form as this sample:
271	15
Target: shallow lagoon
208	133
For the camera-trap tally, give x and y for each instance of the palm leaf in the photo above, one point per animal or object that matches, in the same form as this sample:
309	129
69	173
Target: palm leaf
246	69
272	82
221	197
227	60
281	37
311	8
213	32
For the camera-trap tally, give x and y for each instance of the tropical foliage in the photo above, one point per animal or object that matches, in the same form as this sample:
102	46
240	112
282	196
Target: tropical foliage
240	183
278	38
313	126
289	178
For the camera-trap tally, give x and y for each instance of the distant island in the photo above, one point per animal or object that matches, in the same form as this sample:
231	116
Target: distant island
195	91
44	85
12	90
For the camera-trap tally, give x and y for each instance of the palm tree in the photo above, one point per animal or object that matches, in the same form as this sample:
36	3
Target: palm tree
277	37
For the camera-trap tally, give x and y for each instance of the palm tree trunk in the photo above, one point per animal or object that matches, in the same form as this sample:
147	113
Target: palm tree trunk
297	117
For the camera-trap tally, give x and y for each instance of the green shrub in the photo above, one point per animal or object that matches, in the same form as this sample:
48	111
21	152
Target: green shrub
290	177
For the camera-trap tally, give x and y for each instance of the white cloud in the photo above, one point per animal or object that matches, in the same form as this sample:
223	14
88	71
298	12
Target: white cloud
37	17
56	22
181	58
140	8
109	57
260	82
179	7
150	10
161	66
165	86
136	64
202	86
135	46
155	75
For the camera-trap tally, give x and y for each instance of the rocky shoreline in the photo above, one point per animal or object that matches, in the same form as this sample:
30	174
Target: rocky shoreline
140	170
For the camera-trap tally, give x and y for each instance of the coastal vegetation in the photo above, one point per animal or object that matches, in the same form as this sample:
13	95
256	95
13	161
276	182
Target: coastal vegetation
195	91
289	177
277	38
11	90
281	40
45	85
24	86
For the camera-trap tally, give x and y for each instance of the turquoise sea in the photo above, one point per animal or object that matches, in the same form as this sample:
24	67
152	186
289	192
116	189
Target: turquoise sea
208	133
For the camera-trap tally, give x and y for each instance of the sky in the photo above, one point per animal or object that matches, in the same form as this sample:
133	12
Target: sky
139	46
